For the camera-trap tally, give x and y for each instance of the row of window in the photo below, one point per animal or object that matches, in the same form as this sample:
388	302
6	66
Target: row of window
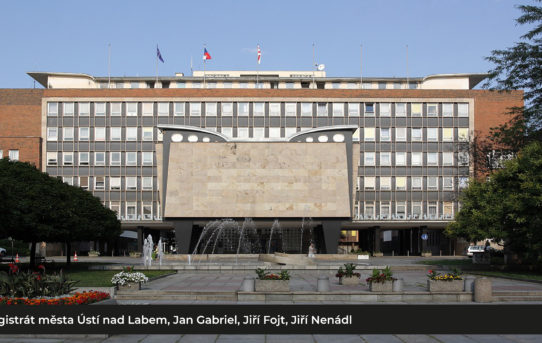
432	134
416	159
383	210
99	158
113	183
337	109
399	183
12	154
131	213
100	133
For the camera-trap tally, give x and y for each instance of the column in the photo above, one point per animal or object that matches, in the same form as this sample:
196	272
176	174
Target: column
183	235
332	232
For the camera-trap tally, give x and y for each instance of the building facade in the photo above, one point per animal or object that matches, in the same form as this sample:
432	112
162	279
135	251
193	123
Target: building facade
405	145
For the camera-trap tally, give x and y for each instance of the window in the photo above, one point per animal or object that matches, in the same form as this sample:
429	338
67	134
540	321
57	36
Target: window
181	84
131	182
385	183
14	155
68	109
99	182
68	180
385	109
131	133
245	85
258	132
432	209
211	84
322	109
447	134
400	209
290	109
84	133
385	209
369	210
447	158
242	109
367	85
369	159
115	108
416	159
432	158
416	183
146	211
116	133
115	206
369	134
131	210
385	158
52	109
412	85
227	109
99	158
417	210
114	183
52	158
306	109
131	158
416	110
400	109
210	109
227	131
99	133
52	133
67	133
195	109
289	85
134	84
432	134
84	158
114	158
83	182
148	109
67	158
338	109
463	182
146	182
432	183
448	183
131	109
146	156
196	84
432	110
400	183
448	210
259	108
369	182
463	158
369	109
227	85
179	109
400	158
463	134
353	110
274	109
274	132
416	134
335	85
400	134
385	134
84	109
147	133
463	110
447	110
382	85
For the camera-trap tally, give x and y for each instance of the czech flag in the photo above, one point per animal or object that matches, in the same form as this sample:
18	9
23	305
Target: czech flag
159	55
206	55
259	54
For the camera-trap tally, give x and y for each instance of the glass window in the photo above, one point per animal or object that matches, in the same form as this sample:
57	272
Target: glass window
131	182
369	134
385	209
353	109
369	182
416	159
400	209
306	109
432	158
84	109
448	209
382	85
134	84
99	109
290	108
99	182
195	108
84	133
242	132
400	134
369	109
463	158
68	180
400	158
463	110
99	158
432	110
227	85
146	210
369	159
148	108
242	109
367	85
400	109
274	132
211	84
447	110
52	109
448	183
412	85
227	109
115	206
463	134
259	108
463	182
416	134
322	109
416	183
385	109
131	133
432	134
181	84
131	210
432	209
14	155
114	183
116	108
146	156
69	109
338	109
227	131
67	133
274	109
385	134
131	158
369	210
335	85
114	158
385	158
84	158
417	211
83	182
416	110
258	132
146	182
400	183
447	158
179	109
432	183
163	109
447	134
196	84
147	133
245	85
99	133
385	183
116	133
131	109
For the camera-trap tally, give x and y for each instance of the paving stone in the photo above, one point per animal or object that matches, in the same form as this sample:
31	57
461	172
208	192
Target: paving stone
125	339
381	339
241	338
289	339
198	339
524	338
453	338
161	339
337	339
490	338
416	338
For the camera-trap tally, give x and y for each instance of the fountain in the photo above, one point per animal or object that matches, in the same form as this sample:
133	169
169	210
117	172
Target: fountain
147	251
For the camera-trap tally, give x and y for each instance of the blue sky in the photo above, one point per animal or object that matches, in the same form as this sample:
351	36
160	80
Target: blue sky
451	36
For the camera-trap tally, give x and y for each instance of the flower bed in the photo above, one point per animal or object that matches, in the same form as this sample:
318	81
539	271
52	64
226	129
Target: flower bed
84	298
381	280
449	282
271	282
347	276
129	278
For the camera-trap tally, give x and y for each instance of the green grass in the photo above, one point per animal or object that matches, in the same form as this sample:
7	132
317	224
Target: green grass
458	262
514	275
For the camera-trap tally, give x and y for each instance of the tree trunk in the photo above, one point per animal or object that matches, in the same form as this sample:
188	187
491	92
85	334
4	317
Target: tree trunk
33	254
68	253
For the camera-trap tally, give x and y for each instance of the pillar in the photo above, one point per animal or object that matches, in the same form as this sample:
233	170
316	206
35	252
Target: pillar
140	239
332	232
376	245
183	235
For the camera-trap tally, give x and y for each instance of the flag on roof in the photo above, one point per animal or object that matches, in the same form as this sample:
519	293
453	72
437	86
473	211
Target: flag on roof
206	55
159	55
259	54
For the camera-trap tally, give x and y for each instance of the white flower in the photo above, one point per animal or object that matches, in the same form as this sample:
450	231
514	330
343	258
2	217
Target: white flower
123	278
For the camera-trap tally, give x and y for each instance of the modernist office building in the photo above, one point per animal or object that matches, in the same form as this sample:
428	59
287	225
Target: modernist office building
376	163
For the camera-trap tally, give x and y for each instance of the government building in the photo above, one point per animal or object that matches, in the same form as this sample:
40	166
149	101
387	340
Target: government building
375	164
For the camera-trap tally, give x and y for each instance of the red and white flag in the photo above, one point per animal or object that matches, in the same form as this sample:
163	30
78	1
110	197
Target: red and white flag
259	54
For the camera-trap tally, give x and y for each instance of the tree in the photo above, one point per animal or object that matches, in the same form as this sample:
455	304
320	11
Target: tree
507	207
36	207
519	67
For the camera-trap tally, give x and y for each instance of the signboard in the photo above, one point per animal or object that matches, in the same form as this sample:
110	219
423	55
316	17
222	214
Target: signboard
424	236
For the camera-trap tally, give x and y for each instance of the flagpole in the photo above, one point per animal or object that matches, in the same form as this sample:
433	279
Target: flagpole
109	66
360	66
204	60
156	84
407	84
258	66
313	65
191	67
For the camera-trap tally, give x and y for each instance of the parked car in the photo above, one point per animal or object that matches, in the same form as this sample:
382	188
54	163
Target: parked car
475	248
2	252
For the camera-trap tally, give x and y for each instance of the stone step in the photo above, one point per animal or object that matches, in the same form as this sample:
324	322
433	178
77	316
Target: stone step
175	295
518	298
517	293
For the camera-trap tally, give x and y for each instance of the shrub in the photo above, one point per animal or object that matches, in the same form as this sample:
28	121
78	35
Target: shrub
264	275
381	276
348	271
32	284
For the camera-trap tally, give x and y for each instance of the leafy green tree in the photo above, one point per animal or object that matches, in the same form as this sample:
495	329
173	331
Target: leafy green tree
507	207
519	67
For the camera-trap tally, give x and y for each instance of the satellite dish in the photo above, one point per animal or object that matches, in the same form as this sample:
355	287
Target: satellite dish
321	67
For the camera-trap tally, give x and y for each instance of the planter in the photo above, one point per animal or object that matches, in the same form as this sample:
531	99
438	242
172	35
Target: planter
349	280
381	286
93	254
129	286
445	286
378	254
426	254
272	285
